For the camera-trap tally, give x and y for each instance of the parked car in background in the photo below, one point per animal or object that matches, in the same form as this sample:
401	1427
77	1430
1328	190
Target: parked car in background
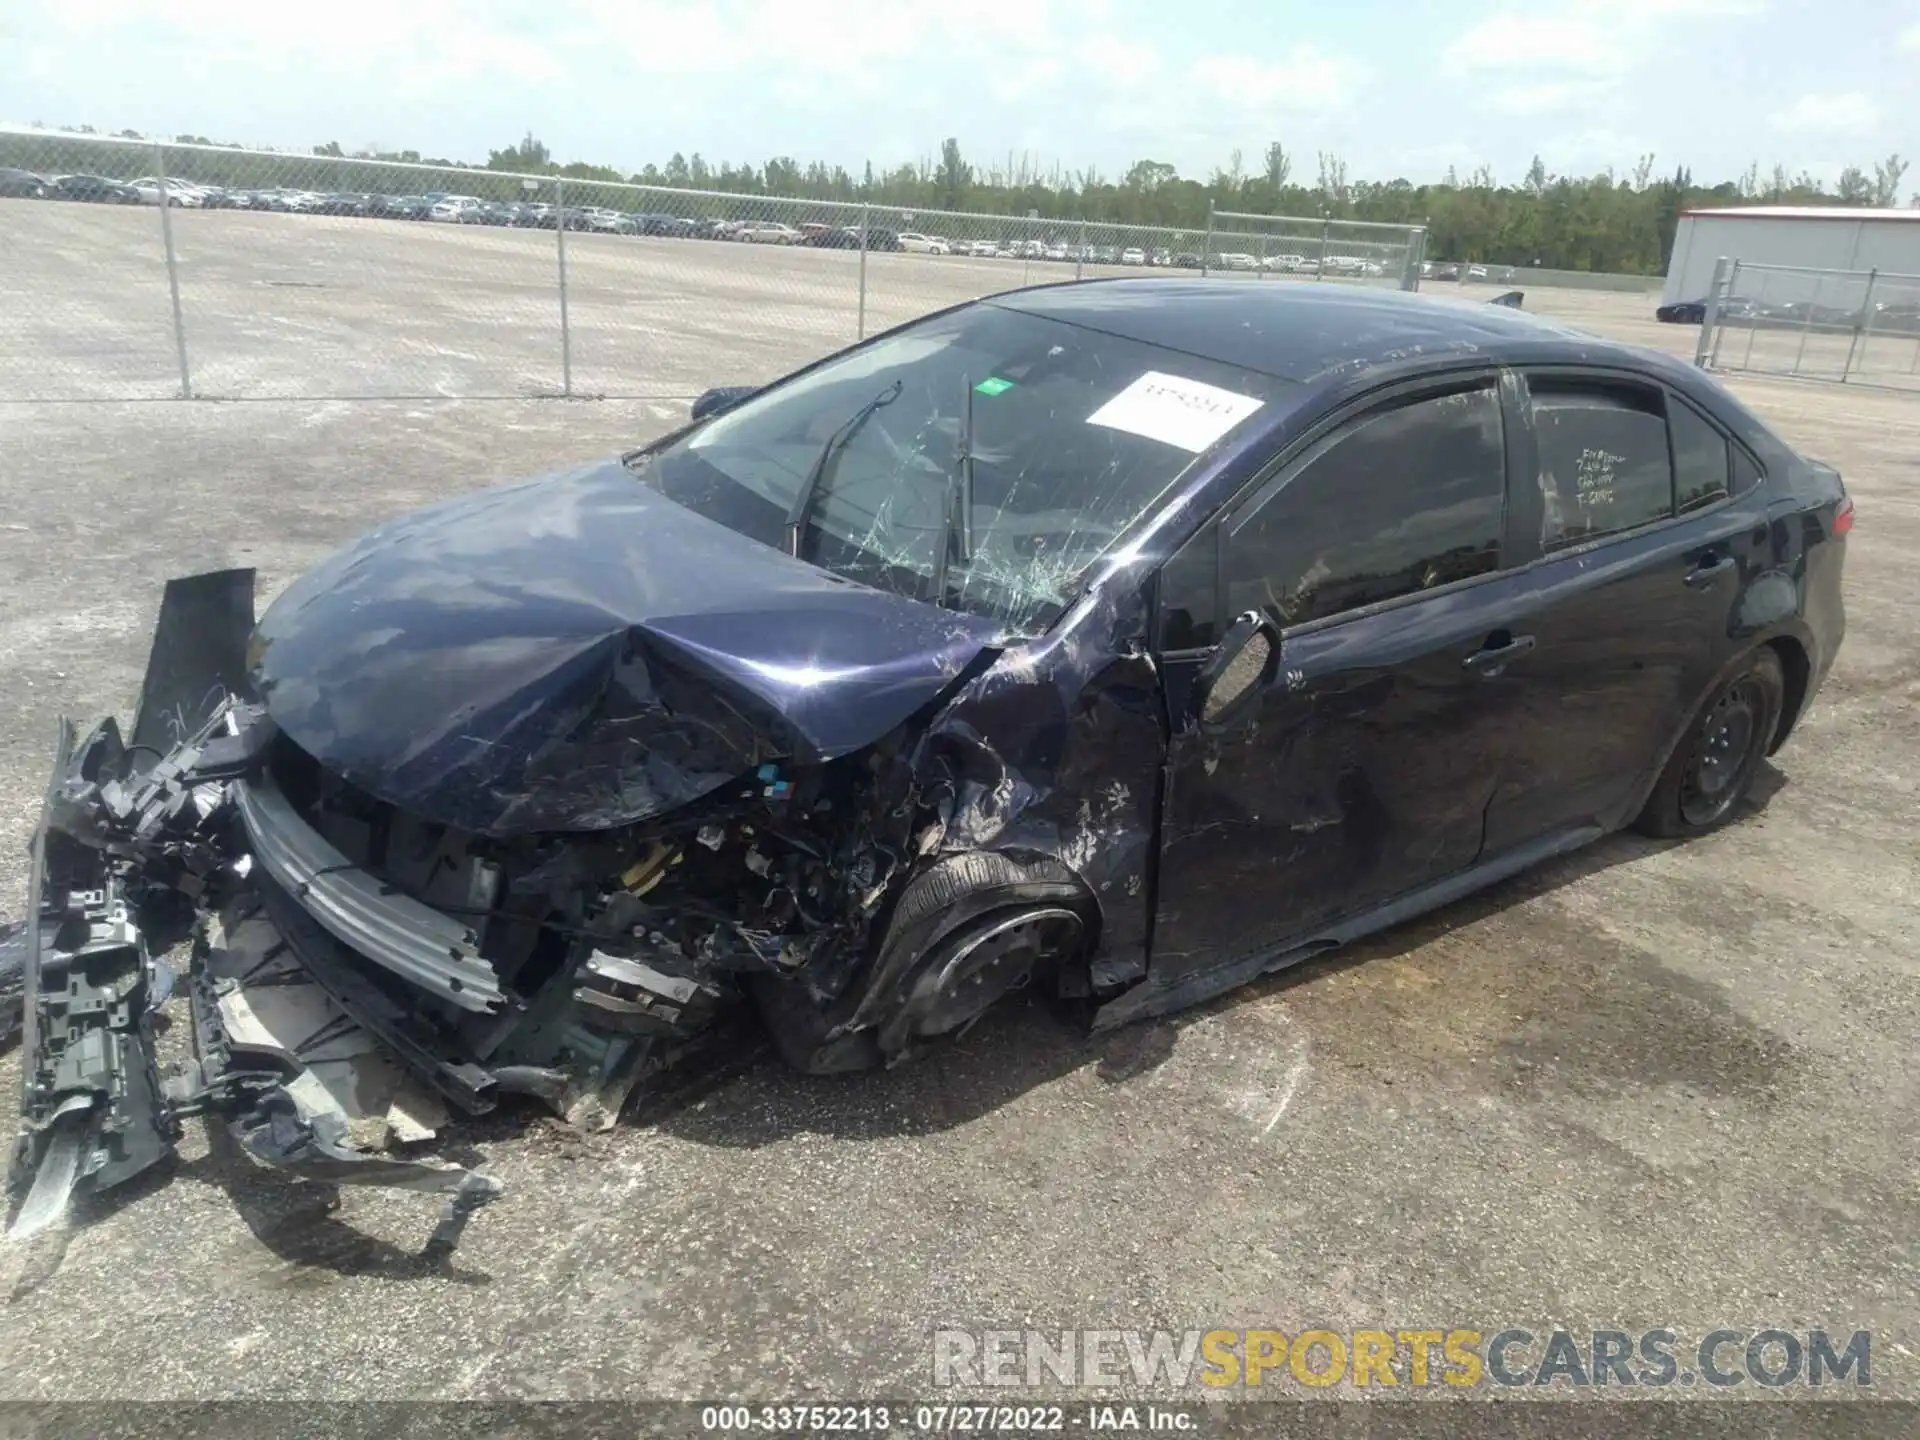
984	249
1132	255
1058	251
94	188
768	232
1235	260
179	194
1896	316
401	207
1477	272
1682	312
456	210
914	243
23	184
1186	260
671	226
344	202
598	219
1160	257
1446	270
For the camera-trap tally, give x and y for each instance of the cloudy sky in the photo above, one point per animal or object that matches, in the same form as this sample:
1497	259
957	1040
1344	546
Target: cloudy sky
1402	88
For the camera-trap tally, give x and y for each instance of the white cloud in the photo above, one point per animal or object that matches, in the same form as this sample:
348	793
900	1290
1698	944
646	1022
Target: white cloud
1305	78
1024	79
1547	97
1124	63
1601	38
1841	113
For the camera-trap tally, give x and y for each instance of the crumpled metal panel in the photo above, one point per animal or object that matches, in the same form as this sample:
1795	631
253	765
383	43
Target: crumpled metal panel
416	942
580	652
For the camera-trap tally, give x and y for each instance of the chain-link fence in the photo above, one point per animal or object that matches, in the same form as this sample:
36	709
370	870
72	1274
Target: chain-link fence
1851	326
209	271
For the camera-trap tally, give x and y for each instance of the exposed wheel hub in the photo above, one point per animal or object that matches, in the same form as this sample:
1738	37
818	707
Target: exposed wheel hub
1723	753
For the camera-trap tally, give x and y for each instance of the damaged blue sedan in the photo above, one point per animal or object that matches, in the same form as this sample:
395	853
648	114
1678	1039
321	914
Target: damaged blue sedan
1120	641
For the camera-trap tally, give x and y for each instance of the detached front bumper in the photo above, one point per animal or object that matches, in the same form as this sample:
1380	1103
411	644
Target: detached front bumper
137	848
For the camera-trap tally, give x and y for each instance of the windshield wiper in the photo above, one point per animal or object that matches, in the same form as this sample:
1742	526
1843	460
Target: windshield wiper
802	506
956	518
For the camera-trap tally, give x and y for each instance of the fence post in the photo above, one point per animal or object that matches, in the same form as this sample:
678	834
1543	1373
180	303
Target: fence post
1261	261
566	328
1080	252
173	269
1326	229
1416	256
1863	329
860	324
1206	248
1711	320
1806	325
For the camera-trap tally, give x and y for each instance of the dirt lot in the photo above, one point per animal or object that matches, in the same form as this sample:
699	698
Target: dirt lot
1644	1086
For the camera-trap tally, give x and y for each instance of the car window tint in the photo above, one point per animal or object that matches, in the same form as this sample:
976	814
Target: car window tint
1604	466
1746	471
1404	500
1189	619
1699	459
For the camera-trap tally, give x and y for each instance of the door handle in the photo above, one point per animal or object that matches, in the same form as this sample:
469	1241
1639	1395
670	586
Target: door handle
1490	659
1708	571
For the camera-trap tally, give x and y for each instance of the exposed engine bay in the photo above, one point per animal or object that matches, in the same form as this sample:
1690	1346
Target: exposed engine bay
358	975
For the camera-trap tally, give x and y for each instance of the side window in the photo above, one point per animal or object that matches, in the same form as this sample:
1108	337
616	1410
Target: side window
1746	471
1403	500
1188	596
1604	466
1700	467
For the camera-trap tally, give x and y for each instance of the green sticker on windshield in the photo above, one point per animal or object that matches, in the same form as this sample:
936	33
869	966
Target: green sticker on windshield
994	385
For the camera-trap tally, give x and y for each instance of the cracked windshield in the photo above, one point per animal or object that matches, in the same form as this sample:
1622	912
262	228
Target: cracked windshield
982	460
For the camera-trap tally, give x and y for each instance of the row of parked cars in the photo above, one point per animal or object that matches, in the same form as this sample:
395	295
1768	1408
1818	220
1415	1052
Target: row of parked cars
1454	270
1893	316
454	209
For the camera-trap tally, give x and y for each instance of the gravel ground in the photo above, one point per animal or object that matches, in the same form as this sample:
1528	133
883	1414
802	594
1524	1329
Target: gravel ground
1647	1085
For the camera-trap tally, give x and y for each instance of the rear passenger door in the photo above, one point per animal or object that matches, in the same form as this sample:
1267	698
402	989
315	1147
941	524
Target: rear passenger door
1638	551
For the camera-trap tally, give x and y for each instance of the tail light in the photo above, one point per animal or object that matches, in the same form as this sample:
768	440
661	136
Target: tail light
1843	517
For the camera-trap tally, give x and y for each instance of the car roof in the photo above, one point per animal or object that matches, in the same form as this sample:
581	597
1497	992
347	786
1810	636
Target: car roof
1295	331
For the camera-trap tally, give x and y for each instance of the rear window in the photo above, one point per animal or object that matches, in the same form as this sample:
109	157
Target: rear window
1700	459
1604	463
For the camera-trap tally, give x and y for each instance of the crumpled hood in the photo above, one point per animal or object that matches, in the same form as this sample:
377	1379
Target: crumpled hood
579	652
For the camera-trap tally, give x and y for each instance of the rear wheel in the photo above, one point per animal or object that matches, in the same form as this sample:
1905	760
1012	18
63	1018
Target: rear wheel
1714	764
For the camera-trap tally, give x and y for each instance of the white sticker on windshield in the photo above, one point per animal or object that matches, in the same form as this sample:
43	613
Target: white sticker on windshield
1175	410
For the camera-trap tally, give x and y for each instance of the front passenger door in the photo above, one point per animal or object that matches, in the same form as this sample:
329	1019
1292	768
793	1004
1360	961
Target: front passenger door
1365	767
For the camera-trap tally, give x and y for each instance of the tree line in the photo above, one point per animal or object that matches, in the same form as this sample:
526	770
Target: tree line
1608	222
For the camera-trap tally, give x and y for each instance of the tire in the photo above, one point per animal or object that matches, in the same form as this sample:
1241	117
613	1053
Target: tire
1714	764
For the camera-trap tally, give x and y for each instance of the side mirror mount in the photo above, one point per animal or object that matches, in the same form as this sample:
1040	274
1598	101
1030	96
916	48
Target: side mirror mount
723	397
1228	687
